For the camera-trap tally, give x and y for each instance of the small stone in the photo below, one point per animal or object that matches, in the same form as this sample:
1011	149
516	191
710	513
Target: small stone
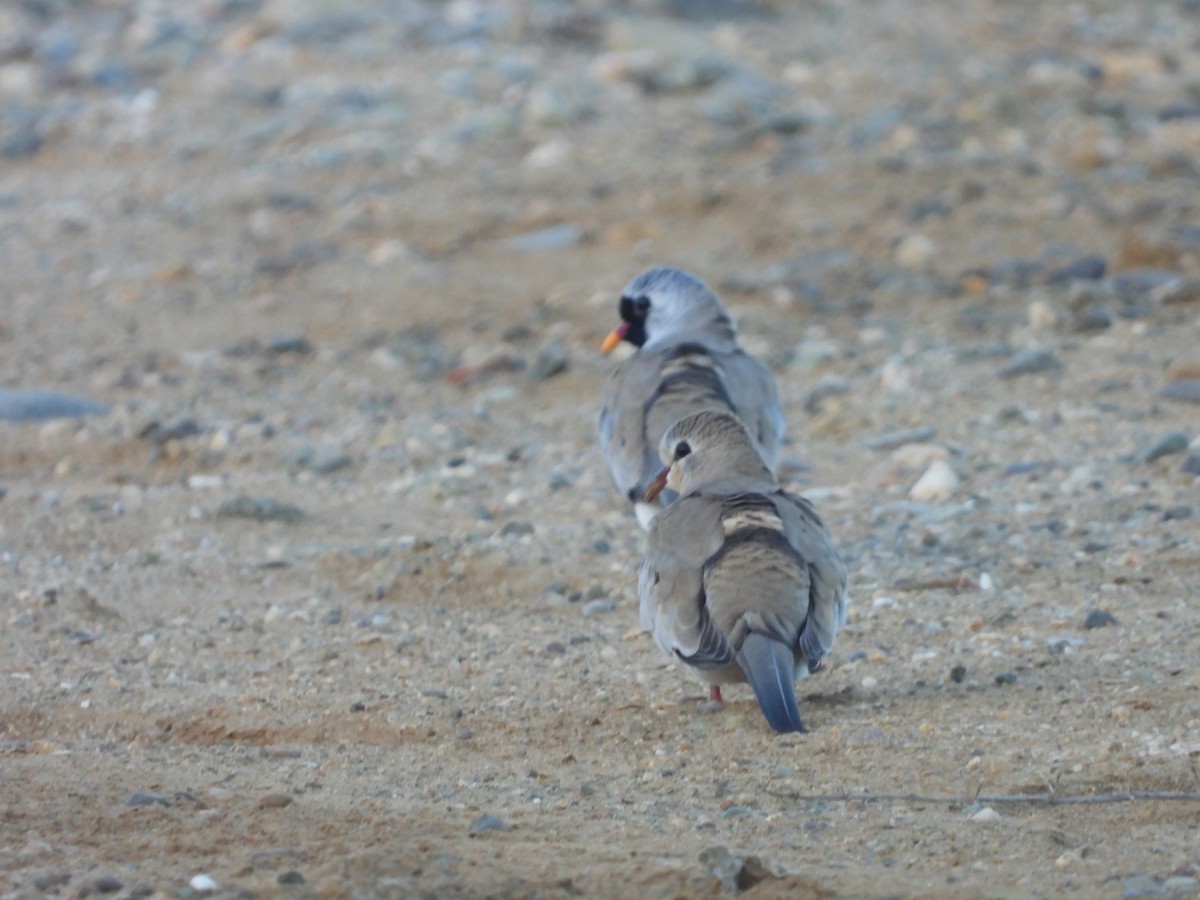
291	876
146	798
275	801
958	673
1168	444
178	430
596	607
938	483
261	509
107	884
1099	618
23	405
555	237
1182	290
915	251
1006	678
297	344
1092	317
1185	390
51	880
516	529
1029	362
891	440
552	360
985	815
203	884
487	822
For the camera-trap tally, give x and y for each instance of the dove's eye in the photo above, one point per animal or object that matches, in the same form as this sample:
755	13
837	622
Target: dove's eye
642	304
682	449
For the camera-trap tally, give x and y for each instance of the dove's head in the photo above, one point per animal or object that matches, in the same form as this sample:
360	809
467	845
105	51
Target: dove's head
711	451
663	304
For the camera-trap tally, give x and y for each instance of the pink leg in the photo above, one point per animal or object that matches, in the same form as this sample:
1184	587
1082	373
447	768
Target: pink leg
714	693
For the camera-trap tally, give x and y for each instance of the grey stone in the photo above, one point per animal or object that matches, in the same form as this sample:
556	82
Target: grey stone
1185	390
553	359
261	509
146	798
27	405
890	440
1029	362
1099	618
487	822
555	237
1168	444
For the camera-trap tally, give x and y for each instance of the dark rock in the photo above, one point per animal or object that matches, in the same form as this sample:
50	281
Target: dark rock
159	433
300	256
107	884
958	673
1006	678
516	529
1029	362
1168	444
22	405
1086	268
297	344
1092	317
1175	513
51	880
261	509
291	876
1099	618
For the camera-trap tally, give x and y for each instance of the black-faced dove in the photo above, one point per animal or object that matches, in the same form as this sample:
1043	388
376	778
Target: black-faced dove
688	359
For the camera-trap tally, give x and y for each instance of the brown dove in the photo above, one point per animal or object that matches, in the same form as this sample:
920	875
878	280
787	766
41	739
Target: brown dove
741	580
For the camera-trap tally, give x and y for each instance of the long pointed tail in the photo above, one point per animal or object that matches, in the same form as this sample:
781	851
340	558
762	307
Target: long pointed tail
770	668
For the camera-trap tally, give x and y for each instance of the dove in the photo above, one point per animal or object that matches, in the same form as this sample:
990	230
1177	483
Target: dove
688	359
740	580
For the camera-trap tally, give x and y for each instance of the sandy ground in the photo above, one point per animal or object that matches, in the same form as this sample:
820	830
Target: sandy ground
299	269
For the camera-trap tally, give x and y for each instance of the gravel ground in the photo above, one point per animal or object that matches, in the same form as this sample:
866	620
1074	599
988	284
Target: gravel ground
327	592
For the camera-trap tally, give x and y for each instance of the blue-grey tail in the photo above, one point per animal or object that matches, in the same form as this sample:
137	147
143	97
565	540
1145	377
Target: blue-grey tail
770	667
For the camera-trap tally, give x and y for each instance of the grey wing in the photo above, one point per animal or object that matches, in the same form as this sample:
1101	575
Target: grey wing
671	582
827	574
752	389
627	452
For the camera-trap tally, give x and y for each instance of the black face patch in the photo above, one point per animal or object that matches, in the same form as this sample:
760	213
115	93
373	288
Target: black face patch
633	311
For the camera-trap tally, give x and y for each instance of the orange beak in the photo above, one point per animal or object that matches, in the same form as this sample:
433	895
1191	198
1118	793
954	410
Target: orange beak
614	337
655	487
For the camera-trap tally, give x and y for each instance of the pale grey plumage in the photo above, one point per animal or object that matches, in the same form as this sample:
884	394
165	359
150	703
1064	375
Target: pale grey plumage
741	579
688	360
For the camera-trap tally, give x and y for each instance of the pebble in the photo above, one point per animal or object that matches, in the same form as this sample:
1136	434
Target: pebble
891	440
275	801
1029	362
938	483
261	509
553	359
27	405
290	877
596	607
915	251
1099	618
487	822
1185	390
146	798
1168	444
203	884
555	237
107	884
1006	678
985	815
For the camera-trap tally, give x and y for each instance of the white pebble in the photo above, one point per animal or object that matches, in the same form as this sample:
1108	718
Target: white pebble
938	483
915	251
985	581
203	884
870	682
987	814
